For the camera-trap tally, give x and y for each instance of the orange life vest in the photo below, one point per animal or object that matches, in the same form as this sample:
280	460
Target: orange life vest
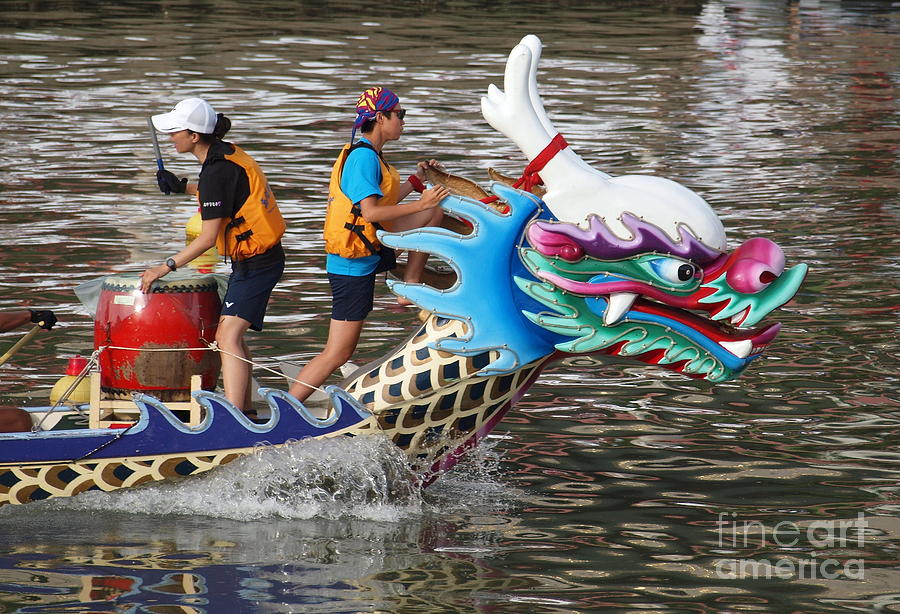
259	225
344	219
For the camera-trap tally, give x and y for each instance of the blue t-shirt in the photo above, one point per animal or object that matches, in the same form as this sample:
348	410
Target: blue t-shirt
360	179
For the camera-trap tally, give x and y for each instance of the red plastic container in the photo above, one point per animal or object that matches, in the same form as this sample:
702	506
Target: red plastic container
76	365
178	314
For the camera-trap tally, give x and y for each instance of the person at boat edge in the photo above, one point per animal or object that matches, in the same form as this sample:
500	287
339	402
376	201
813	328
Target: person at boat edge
14	419
11	320
365	194
240	216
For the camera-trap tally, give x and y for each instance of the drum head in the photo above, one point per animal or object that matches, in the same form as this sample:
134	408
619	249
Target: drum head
192	283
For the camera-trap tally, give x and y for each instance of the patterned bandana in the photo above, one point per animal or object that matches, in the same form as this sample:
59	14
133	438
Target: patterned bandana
370	102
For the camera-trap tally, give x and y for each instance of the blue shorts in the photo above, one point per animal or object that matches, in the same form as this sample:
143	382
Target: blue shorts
351	296
248	291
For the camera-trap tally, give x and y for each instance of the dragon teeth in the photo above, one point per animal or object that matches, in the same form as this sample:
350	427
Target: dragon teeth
619	304
738	318
741	349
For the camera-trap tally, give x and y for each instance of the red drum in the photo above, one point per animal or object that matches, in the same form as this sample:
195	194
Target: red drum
178	314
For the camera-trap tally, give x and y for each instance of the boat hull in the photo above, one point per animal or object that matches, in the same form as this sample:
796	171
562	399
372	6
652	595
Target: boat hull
46	464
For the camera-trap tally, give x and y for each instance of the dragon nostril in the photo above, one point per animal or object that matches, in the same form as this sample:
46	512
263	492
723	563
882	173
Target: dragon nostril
767	277
570	253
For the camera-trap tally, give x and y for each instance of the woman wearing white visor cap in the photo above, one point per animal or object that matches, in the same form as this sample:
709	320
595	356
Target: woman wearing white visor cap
240	217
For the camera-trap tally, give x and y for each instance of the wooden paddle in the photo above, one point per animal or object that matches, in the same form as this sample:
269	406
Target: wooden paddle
18	344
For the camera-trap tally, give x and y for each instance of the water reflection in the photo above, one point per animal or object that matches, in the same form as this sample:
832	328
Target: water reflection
608	480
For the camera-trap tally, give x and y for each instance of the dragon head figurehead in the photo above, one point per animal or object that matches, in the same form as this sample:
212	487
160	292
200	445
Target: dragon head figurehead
633	266
679	304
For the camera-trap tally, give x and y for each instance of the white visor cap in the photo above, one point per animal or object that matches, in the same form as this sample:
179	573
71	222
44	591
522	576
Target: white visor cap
190	114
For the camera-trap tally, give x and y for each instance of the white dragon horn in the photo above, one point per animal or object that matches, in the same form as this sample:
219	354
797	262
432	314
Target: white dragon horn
518	113
576	190
534	44
510	111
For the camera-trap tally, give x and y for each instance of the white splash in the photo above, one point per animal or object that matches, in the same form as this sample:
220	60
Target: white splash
362	477
366	478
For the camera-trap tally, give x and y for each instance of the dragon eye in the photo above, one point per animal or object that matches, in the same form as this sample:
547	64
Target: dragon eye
674	270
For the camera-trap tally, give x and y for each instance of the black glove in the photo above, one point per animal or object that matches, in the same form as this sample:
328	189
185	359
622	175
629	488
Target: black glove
169	183
45	318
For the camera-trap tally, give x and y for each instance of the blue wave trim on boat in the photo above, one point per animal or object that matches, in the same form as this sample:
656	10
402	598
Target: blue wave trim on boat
159	432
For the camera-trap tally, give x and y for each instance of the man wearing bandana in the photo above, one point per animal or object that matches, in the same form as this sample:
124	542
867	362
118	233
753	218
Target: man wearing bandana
365	195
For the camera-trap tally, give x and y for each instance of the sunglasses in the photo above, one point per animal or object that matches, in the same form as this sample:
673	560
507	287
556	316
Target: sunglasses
401	113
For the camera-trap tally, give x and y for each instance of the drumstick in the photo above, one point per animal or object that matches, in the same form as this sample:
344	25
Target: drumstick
159	162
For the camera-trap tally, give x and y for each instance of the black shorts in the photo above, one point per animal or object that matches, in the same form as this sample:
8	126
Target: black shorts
351	296
249	288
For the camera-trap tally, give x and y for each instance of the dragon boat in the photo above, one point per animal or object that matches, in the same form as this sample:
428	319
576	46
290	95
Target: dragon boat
575	261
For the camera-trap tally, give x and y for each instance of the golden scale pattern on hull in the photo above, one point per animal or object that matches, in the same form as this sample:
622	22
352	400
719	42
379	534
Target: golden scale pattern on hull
430	402
66	479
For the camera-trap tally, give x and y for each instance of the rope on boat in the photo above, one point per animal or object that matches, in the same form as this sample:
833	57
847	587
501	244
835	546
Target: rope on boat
95	356
214	346
119	435
119	347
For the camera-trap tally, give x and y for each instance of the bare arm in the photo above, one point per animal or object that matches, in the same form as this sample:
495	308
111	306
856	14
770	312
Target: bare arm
373	212
13	319
405	189
209	230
